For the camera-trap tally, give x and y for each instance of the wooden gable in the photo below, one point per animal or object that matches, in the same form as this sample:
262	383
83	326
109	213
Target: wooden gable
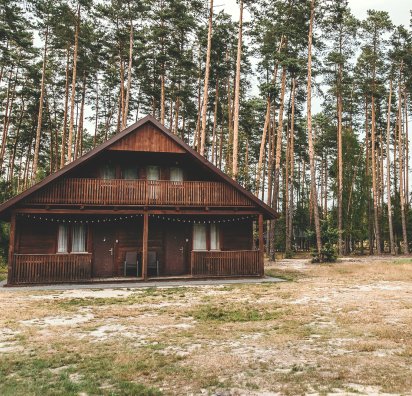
147	138
146	135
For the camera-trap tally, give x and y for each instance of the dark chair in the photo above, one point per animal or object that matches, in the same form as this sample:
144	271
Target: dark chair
131	262
152	261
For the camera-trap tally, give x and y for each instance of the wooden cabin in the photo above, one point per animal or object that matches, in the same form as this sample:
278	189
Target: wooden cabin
141	205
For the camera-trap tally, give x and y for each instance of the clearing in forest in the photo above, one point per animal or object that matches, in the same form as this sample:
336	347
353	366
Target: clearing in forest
342	328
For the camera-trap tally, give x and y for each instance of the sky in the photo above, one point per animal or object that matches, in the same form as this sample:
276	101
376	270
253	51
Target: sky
399	10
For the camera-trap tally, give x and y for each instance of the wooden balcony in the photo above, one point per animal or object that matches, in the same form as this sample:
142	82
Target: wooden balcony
226	263
140	192
50	268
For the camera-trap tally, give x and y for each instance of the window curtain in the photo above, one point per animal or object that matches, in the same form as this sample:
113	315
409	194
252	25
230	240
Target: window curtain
62	238
79	238
153	173
199	236
176	174
214	237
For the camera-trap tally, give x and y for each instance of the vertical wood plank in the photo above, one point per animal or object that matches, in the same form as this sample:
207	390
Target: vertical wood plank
11	247
261	245
145	244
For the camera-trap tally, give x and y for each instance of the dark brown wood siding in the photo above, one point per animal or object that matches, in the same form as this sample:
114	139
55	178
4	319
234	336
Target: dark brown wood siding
36	237
147	138
237	235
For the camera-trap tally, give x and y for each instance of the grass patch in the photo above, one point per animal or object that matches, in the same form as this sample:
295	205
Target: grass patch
73	374
135	298
402	261
214	313
3	272
290	276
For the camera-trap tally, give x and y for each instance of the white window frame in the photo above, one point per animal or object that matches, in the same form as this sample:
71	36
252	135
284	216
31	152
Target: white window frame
66	238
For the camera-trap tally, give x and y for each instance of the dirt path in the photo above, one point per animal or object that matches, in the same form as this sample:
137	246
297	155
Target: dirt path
334	329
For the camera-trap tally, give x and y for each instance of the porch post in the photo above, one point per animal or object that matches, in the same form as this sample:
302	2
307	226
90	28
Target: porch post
11	247
145	243
261	245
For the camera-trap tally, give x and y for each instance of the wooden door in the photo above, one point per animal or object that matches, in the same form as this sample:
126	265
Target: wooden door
103	251
177	249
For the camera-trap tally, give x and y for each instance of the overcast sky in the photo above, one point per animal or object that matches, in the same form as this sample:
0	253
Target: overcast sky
399	10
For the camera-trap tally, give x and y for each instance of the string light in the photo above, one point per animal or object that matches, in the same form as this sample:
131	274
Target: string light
122	218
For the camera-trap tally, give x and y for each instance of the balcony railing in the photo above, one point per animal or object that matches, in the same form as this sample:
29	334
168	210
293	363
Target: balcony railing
227	263
139	192
50	268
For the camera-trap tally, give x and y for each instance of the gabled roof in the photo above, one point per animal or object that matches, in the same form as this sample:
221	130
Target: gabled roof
6	206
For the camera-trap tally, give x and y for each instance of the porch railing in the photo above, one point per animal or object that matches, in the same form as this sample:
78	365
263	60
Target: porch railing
45	268
139	192
226	263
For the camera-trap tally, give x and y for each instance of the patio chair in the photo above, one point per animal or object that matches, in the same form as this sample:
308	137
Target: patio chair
131	262
152	261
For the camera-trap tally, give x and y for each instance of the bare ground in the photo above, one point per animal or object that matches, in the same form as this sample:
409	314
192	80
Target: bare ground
338	329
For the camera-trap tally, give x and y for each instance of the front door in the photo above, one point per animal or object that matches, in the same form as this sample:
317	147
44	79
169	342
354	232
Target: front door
177	250
103	251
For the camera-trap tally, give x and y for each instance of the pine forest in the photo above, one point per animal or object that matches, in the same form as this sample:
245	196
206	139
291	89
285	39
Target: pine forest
303	104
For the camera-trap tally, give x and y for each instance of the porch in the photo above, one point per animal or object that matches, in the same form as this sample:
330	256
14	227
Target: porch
67	249
72	268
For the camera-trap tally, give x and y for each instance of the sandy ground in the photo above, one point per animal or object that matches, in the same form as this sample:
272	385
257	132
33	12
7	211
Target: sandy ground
340	329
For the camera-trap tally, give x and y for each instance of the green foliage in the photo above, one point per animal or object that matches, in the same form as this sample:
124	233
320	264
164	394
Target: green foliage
227	314
328	253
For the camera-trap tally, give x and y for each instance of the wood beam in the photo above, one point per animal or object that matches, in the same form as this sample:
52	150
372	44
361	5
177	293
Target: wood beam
145	245
135	212
261	245
11	247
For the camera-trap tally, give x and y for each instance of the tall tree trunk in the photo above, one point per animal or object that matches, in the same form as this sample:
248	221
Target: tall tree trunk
7	113
73	93
274	197
374	178
289	213
96	119
66	105
229	163
129	76
41	100
237	97
401	169
16	141
406	149
279	139
206	83
214	154
79	140
310	136
340	162
367	169
262	145
388	173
